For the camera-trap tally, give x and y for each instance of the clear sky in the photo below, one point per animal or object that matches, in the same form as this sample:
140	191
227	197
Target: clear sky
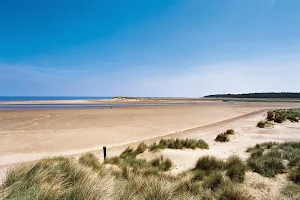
148	47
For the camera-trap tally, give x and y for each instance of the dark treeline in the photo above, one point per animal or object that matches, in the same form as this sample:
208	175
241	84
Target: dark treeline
269	95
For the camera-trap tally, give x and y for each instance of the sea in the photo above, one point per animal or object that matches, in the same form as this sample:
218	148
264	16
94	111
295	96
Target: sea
44	105
50	98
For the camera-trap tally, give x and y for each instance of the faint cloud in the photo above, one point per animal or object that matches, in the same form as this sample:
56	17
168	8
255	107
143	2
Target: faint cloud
275	73
201	70
34	70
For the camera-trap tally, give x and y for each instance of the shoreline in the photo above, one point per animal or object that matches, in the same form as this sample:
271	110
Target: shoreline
107	101
144	100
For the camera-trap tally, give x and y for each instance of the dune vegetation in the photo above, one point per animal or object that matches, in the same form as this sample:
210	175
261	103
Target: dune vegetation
222	137
264	124
266	95
124	177
282	115
178	144
269	159
225	137
128	177
65	178
123	98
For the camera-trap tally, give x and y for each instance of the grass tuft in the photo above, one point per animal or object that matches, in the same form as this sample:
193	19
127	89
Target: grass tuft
209	163
179	144
213	181
162	163
113	160
268	164
281	115
230	132
132	178
291	191
271	158
153	147
198	175
294	174
222	137
264	124
90	160
236	169
141	148
57	178
128	152
270	115
233	192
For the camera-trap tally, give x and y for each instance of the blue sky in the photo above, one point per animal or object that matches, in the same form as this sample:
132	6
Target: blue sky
148	48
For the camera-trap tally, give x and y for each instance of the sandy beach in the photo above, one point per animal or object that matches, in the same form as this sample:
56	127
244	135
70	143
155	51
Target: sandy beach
28	135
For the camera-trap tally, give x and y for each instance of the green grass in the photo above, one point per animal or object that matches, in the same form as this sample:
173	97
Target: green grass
142	147
129	152
281	115
294	174
269	164
130	178
128	159
291	191
190	187
213	181
268	159
162	163
233	192
230	132
222	137
178	144
113	160
198	175
280	119
236	169
264	124
262	146
56	178
209	163
90	160
270	115
63	178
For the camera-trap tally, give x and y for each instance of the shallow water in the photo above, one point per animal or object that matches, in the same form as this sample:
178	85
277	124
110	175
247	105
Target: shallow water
48	98
78	106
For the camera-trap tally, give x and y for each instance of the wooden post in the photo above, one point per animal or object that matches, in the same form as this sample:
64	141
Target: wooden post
104	152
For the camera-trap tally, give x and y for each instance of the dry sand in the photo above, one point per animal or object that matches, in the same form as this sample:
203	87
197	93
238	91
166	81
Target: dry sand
30	135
